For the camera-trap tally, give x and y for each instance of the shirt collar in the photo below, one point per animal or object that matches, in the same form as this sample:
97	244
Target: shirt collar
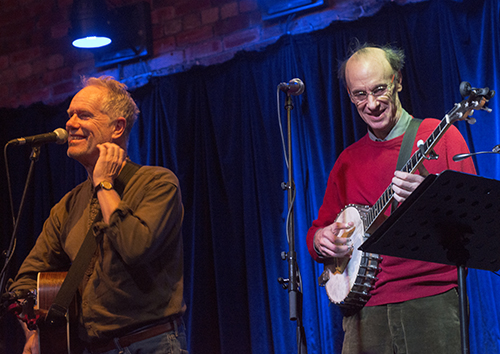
398	130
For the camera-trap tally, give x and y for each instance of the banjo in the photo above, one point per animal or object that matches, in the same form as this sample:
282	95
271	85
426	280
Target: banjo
349	280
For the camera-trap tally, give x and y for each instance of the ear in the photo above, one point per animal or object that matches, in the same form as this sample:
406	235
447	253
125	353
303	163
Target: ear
399	83
120	125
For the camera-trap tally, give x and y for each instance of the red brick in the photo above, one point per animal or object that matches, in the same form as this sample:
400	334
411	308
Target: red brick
7	76
191	6
25	55
60	30
4	91
11	45
157	32
39	9
172	27
76	55
165	45
8	6
229	10
13	16
27	85
203	49
55	76
191	21
194	36
37	37
83	68
24	71
158	4
210	15
40	95
58	45
4	62
241	38
50	19
234	24
162	15
16	30
55	61
65	88
220	2
39	66
248	5
62	4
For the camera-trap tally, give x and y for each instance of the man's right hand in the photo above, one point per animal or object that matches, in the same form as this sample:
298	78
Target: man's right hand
32	345
328	243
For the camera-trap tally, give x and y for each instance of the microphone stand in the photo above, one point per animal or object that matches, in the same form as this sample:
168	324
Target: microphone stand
35	154
294	293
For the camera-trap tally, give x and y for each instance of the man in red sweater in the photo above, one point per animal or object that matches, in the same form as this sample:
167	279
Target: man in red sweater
413	306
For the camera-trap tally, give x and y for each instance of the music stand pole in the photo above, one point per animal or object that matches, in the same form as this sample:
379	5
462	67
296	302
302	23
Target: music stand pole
462	301
294	293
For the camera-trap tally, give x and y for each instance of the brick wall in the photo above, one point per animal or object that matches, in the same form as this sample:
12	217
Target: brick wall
38	62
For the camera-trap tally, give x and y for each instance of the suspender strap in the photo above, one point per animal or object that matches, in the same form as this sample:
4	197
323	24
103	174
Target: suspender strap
58	309
406	148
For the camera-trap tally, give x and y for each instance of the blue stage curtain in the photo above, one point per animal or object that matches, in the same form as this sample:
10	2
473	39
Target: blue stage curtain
217	128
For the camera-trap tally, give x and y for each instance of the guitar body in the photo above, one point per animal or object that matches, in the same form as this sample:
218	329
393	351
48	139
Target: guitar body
348	281
55	339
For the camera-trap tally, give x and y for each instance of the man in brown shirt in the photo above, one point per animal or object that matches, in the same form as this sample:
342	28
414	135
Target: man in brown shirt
132	293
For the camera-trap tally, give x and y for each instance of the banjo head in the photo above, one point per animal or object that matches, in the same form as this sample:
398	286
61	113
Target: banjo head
349	280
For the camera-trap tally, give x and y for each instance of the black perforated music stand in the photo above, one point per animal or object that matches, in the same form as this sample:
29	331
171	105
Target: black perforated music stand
452	218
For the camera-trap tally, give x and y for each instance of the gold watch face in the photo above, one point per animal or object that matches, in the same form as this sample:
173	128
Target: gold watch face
106	185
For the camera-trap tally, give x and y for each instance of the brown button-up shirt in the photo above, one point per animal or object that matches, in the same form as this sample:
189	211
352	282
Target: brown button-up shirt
138	275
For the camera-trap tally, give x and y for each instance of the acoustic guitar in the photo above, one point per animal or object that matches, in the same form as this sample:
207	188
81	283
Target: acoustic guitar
61	338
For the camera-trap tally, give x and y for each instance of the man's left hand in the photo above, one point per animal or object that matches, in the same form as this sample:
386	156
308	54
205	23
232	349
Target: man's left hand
403	183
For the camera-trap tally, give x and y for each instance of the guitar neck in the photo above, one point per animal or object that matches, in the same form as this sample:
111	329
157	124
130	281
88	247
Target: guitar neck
410	166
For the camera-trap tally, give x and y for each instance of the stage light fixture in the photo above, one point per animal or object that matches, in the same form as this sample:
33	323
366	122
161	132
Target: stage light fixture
128	27
90	27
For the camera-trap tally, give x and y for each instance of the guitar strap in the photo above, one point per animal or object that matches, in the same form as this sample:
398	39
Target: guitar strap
406	149
57	311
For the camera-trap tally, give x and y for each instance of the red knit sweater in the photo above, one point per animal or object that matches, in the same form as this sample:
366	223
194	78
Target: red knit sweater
361	174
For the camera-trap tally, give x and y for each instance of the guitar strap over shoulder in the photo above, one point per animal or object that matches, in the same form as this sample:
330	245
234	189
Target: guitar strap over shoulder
58	309
406	149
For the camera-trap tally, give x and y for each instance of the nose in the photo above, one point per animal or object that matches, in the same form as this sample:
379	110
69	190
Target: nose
372	101
72	122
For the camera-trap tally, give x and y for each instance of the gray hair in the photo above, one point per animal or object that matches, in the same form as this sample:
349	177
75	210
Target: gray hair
117	102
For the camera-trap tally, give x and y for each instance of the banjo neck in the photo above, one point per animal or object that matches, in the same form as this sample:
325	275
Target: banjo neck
460	111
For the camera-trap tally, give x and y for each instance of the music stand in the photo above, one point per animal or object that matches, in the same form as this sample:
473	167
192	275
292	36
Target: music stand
452	218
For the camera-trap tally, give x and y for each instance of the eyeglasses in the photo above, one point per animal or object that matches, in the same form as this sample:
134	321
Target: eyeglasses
378	92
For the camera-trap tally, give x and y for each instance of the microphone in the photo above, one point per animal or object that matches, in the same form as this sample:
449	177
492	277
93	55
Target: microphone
294	87
58	136
460	157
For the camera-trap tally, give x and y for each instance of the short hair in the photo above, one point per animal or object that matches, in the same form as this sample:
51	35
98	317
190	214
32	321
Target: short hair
117	102
395	57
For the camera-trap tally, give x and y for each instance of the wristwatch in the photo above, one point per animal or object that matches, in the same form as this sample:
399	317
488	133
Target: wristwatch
104	185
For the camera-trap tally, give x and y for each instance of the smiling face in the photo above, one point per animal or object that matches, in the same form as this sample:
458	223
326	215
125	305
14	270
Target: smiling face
366	74
87	126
